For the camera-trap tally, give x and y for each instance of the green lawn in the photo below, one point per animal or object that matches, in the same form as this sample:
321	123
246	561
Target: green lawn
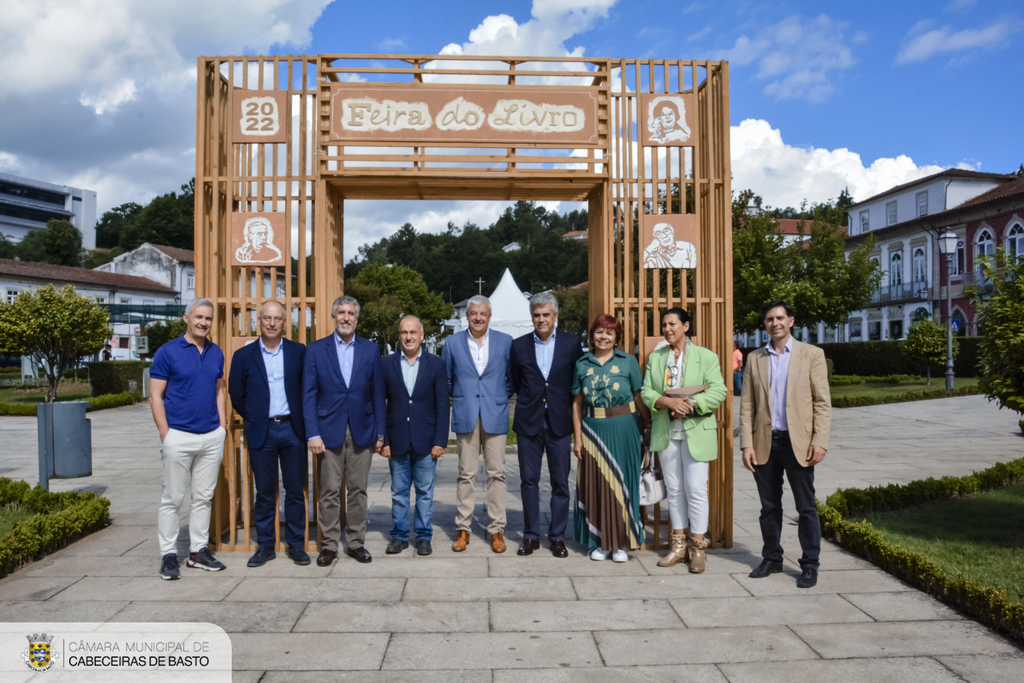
980	537
901	388
66	391
11	515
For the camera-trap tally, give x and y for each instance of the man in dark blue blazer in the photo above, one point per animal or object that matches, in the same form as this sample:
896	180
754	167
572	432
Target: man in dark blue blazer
265	385
543	364
343	405
416	385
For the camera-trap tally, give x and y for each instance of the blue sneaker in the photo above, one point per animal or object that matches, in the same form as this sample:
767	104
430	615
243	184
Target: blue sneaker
204	560
169	568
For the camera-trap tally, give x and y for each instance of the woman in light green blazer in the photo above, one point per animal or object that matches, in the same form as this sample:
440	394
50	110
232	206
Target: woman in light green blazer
685	432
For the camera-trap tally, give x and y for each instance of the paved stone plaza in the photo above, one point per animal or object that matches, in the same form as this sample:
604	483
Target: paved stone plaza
484	617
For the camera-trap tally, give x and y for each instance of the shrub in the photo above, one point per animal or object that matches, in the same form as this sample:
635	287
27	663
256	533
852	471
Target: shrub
890	358
844	380
860	401
113	376
1001	320
22	409
125	398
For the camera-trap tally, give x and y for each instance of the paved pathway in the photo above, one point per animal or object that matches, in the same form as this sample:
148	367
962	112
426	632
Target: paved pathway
482	617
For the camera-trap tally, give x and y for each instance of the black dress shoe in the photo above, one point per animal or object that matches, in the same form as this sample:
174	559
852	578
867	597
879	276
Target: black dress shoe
326	557
360	555
298	556
528	546
263	555
808	577
423	547
765	568
396	546
558	549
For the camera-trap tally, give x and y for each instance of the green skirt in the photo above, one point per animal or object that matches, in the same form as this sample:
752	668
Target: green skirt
607	513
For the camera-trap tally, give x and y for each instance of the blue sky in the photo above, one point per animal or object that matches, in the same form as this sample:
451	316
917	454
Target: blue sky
824	95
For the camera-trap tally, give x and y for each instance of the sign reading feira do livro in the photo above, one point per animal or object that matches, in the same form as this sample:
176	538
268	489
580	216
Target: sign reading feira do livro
425	113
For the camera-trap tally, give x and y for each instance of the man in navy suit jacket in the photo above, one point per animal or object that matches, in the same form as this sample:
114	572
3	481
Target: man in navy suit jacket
476	362
265	385
543	364
417	390
343	405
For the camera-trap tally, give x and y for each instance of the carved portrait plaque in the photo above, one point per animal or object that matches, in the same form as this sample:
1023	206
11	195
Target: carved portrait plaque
670	241
667	120
258	239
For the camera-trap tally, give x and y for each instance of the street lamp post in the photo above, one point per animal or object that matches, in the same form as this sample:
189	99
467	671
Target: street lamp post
947	247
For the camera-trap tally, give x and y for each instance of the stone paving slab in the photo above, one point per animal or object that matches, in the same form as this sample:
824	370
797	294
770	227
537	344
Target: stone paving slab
420	651
308	651
583	615
895	670
60	612
458	590
767	611
910	606
432	566
700	673
839	581
116	565
657	587
439	676
548	565
195	585
318	590
985	669
28	588
902	639
399	617
233	617
717	563
700	646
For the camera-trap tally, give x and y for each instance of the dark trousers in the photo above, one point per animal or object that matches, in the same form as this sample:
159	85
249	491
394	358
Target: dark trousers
769	486
284	448
531	457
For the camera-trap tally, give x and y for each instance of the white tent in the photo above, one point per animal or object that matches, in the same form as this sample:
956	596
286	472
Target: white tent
510	309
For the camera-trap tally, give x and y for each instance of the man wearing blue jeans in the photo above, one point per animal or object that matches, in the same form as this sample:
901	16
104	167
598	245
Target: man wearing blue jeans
416	388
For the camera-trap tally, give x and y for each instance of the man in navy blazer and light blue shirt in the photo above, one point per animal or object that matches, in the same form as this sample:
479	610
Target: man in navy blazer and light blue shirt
543	365
265	385
343	406
480	383
417	391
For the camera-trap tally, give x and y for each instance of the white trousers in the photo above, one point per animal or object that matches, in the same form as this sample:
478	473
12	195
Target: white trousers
191	464
687	482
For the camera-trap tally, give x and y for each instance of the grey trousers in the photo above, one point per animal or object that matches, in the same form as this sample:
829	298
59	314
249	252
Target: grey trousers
353	463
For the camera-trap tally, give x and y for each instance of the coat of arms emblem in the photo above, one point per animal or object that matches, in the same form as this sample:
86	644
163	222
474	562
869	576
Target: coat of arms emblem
40	655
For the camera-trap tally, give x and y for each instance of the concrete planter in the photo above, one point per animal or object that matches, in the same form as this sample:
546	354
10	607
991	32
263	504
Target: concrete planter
65	441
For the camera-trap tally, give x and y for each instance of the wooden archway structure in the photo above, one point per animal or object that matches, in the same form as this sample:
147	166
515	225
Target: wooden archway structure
272	138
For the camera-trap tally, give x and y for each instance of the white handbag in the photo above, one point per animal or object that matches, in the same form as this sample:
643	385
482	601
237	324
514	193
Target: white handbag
652	484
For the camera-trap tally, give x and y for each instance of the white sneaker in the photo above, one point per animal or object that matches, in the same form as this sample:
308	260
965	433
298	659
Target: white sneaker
598	554
620	556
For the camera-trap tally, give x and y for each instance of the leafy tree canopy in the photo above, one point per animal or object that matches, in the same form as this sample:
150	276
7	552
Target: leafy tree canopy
926	341
168	219
59	243
386	293
1000	318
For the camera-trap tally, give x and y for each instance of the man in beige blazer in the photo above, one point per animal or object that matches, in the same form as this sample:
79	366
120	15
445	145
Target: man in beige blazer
786	411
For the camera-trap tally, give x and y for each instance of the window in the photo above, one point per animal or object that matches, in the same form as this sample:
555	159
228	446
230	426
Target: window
191	281
920	271
896	268
1015	241
957	266
148	302
12	294
124	302
855	331
124	342
983	246
890	213
922	203
875	330
101	299
895	329
865	224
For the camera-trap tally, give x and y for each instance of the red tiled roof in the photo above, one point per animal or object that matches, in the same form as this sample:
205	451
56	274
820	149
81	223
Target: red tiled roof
575	234
183	255
948	173
80	276
1010	189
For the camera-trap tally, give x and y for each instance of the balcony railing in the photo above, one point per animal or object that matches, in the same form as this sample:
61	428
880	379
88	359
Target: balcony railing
918	289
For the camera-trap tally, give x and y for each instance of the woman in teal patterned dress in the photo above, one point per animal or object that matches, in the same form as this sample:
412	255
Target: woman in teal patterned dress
606	401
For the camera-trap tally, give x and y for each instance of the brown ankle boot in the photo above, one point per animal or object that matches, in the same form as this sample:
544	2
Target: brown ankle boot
697	555
676	551
461	541
686	556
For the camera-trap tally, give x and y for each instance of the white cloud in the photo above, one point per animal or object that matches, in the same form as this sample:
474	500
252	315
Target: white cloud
784	175
922	43
699	34
797	58
8	162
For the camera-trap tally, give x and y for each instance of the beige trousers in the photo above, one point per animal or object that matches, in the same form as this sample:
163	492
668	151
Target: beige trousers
191	464
471	446
353	463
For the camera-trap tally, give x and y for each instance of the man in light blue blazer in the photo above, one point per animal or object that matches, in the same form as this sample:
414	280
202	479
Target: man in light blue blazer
480	383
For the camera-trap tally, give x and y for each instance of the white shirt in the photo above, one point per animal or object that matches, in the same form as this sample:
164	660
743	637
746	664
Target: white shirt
479	352
677	366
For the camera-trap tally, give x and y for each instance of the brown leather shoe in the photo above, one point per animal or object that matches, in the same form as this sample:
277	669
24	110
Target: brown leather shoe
461	541
326	557
497	542
558	549
528	546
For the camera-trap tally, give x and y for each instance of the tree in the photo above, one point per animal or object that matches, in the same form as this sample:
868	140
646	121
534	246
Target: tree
169	219
113	222
59	243
386	293
97	257
762	269
8	249
1000	319
926	341
574	309
56	328
160	333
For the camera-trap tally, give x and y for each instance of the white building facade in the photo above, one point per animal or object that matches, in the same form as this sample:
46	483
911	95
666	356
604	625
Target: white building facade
26	205
172	267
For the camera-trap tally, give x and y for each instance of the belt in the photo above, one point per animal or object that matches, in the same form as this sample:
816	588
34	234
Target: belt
615	411
281	418
779	433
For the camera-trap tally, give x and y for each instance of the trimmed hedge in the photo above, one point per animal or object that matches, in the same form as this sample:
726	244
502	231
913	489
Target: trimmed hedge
860	401
989	606
58	519
848	380
113	376
887	358
126	398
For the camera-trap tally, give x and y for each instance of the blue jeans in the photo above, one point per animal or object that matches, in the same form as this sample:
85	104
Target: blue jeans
281	446
407	470
737	382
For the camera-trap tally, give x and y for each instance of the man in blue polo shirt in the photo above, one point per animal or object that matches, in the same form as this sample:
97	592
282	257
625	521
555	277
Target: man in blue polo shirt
186	394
